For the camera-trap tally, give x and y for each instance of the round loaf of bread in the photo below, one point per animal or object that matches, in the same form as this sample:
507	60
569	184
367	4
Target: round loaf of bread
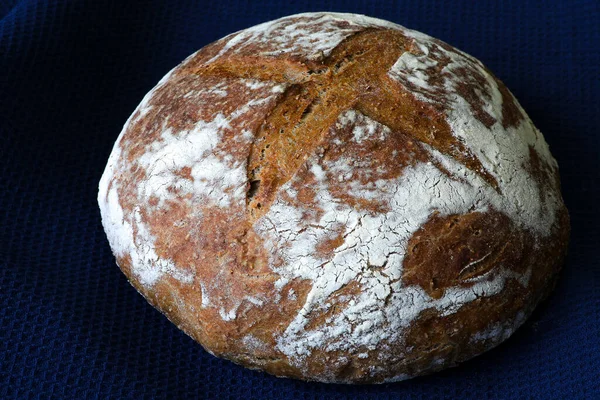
336	198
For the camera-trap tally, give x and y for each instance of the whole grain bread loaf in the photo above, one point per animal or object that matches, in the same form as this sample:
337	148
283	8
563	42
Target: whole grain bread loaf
336	198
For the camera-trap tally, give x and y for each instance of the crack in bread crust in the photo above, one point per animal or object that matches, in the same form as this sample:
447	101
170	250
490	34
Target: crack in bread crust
353	76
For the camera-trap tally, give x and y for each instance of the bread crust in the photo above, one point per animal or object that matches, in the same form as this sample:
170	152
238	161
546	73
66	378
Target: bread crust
336	198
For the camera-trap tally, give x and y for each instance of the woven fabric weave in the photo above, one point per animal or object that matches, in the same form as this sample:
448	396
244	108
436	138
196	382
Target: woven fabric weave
71	72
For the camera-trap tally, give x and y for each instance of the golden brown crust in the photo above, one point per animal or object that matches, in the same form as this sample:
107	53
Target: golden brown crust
252	180
456	250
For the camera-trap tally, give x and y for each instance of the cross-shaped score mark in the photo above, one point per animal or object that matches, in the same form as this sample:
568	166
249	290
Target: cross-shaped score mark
354	76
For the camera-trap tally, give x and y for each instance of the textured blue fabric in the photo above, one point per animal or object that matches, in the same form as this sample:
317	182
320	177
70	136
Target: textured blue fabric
71	72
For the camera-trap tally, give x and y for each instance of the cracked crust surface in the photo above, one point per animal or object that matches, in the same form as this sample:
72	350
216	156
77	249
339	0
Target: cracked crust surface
337	198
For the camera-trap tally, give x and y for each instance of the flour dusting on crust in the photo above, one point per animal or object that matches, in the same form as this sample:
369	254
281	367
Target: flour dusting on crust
310	35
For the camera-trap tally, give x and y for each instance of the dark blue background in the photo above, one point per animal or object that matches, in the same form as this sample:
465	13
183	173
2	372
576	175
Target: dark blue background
71	72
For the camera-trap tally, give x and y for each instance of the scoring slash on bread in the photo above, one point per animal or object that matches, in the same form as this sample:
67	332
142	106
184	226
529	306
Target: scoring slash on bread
336	198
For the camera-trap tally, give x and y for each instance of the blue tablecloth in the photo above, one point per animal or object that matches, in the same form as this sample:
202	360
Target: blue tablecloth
71	72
